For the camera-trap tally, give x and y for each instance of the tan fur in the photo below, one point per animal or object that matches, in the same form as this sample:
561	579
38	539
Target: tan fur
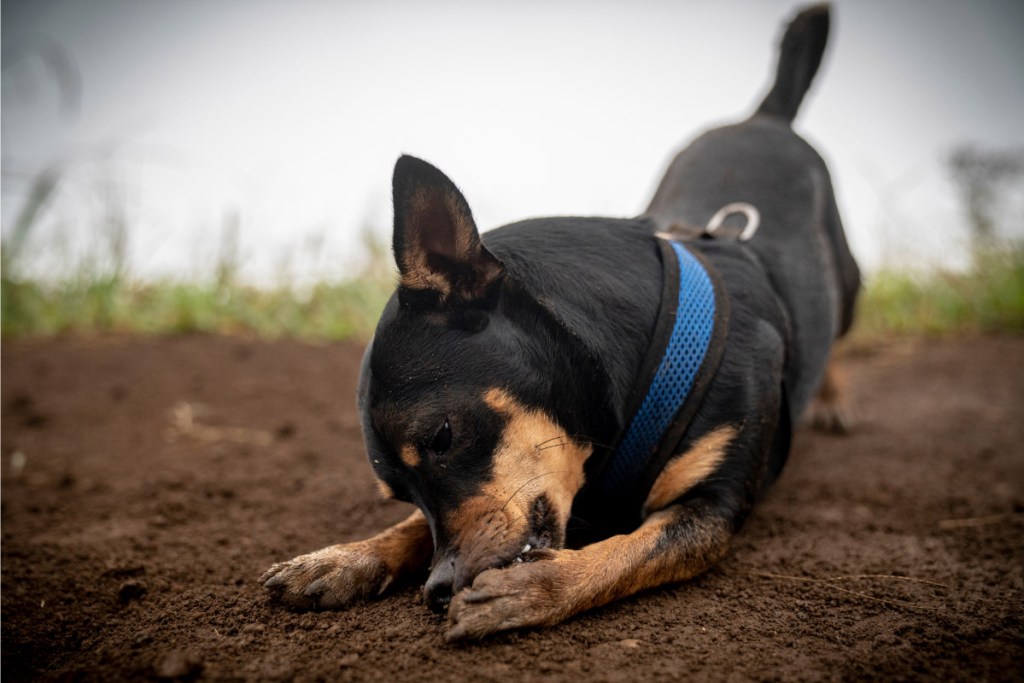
534	456
572	581
385	491
830	411
428	206
684	471
410	455
406	546
339	574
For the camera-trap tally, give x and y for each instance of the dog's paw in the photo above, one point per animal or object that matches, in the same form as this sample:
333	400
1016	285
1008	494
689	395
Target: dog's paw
831	417
527	594
330	578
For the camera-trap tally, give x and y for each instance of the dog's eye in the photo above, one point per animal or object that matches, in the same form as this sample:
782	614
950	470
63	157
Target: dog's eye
442	440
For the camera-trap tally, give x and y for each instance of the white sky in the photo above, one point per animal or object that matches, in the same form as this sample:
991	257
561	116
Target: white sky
291	115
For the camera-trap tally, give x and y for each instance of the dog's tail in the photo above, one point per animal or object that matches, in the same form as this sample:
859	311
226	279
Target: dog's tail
799	57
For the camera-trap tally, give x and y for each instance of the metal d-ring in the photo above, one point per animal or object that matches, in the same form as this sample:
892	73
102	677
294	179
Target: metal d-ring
750	212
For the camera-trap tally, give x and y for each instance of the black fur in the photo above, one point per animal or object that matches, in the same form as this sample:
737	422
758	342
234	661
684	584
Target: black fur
559	314
799	57
567	325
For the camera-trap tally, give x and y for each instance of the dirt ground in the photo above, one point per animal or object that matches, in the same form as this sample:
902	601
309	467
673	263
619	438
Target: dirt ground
148	482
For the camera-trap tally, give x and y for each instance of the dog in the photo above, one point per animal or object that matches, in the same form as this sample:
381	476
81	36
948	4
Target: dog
584	408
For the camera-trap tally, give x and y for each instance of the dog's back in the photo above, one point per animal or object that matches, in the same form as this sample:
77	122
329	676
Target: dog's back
800	243
584	369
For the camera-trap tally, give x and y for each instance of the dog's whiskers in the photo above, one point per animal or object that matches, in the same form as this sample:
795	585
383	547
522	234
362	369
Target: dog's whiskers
528	481
554	438
571	439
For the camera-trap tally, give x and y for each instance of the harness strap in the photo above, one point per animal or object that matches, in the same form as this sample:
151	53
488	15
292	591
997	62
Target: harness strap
688	345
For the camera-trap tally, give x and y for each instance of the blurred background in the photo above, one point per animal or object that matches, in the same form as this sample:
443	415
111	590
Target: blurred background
225	164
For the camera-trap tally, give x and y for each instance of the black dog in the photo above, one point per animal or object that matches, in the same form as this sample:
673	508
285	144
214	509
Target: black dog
584	408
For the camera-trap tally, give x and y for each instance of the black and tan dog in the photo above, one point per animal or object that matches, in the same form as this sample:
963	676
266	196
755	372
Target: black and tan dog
582	408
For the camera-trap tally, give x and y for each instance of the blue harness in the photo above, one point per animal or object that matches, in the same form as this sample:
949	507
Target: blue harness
689	340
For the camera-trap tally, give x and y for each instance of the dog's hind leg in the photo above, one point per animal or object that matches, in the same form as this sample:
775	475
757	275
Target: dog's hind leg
341	574
830	411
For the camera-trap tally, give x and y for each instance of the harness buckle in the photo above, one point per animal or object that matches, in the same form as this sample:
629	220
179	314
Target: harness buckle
749	212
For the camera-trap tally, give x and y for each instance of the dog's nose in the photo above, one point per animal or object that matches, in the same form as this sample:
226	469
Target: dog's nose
438	596
438	589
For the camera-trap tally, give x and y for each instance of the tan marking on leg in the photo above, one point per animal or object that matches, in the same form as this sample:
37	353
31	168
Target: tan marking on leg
410	455
340	574
684	471
829	411
625	564
546	592
405	547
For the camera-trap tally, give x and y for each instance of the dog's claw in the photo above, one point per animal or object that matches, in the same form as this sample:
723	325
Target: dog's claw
268	576
275	580
528	594
330	578
315	588
472	596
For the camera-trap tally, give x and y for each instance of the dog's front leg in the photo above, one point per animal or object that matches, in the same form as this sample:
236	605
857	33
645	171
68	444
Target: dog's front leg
673	544
340	574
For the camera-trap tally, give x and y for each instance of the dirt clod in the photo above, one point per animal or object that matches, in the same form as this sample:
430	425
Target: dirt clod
178	665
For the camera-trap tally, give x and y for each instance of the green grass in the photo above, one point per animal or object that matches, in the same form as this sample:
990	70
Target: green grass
989	298
346	310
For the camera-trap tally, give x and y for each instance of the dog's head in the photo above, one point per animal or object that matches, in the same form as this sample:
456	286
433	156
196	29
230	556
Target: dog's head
456	394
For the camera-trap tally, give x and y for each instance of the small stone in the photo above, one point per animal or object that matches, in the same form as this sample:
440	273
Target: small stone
178	665
142	638
348	660
18	461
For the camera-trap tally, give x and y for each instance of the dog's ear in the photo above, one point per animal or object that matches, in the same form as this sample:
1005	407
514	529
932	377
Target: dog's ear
437	246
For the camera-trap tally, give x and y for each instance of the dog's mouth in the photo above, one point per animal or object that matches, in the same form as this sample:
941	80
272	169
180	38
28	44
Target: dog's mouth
454	569
531	552
542	537
534	550
545	533
524	554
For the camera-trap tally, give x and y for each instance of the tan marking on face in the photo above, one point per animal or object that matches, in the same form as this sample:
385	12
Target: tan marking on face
535	456
385	491
410	455
684	471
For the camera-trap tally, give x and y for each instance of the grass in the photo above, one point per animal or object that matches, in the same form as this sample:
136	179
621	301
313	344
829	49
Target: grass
346	310
989	298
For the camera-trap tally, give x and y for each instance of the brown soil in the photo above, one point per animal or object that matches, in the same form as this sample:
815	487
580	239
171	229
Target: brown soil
148	482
